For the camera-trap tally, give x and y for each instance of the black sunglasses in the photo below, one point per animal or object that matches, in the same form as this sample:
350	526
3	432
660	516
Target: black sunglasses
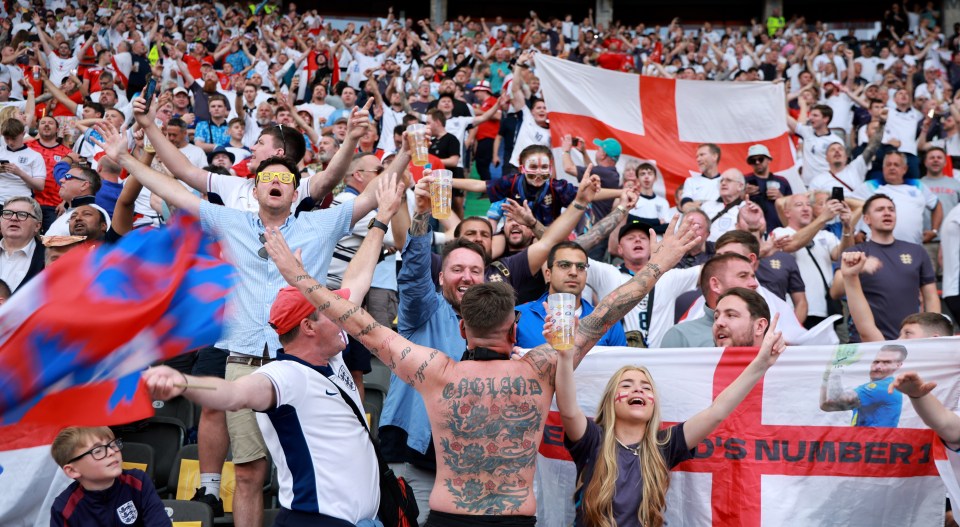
262	253
755	160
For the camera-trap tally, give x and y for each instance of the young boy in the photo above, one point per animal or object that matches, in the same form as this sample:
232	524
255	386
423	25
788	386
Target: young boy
103	494
650	208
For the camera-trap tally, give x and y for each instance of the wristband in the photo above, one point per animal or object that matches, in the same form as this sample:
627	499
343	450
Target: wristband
579	206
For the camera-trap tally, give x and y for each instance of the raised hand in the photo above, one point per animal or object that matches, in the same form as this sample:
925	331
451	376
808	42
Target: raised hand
114	143
671	249
359	121
289	264
160	381
773	344
390	189
851	263
422	192
911	384
519	213
589	186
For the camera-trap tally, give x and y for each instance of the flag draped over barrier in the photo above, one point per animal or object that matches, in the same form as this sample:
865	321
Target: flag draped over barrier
664	120
74	340
780	459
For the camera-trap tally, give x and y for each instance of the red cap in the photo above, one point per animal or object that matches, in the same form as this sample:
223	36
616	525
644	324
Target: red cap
291	307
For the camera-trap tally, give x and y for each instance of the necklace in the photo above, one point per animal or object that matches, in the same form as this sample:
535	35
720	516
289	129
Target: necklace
634	450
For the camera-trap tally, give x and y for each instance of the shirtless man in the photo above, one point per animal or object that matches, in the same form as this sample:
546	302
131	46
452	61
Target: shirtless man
486	415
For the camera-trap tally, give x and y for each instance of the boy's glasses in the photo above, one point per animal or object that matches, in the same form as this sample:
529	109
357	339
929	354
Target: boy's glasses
100	451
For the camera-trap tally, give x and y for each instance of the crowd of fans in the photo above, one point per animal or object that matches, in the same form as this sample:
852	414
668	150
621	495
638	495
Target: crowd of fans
258	117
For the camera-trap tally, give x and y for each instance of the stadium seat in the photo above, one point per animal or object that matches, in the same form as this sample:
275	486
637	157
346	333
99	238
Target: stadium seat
164	434
189	511
378	378
141	456
270	516
177	408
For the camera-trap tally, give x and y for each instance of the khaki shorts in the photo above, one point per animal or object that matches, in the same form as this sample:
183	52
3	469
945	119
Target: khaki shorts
246	441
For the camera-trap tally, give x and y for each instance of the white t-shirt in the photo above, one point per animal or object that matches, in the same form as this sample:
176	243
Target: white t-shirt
868	67
814	151
196	155
29	161
842	106
60	68
652	207
950	245
237	192
530	133
318	111
603	278
903	126
910	201
848	179
699	188
824	243
723	223
391	118
314	429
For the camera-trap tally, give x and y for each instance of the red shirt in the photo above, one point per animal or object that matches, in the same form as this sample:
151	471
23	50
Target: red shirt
614	61
488	129
50	195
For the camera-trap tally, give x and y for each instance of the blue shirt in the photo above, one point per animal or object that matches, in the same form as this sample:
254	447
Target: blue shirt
238	59
316	233
212	133
108	195
425	318
532	315
877	407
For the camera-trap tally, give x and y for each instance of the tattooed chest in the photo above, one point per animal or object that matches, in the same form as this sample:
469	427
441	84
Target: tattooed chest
488	442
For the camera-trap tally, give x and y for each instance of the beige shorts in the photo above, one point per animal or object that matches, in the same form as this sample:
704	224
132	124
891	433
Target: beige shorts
246	441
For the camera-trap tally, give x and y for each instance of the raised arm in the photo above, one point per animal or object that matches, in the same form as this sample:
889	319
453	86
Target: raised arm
618	303
698	427
175	161
414	364
115	145
59	95
941	420
325	181
255	392
359	274
562	226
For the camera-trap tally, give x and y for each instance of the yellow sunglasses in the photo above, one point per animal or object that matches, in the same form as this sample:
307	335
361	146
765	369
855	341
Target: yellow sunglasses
266	177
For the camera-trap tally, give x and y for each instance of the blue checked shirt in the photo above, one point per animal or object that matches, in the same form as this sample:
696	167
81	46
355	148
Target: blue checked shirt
316	233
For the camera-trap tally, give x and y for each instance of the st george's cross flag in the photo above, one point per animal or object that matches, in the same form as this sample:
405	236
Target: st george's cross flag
665	120
780	458
74	340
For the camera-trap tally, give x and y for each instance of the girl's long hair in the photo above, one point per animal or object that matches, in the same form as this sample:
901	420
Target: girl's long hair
597	494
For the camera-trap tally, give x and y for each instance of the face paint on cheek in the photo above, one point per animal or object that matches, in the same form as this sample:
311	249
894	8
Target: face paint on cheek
621	396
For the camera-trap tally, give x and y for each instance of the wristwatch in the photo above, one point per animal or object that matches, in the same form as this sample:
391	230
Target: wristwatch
375	223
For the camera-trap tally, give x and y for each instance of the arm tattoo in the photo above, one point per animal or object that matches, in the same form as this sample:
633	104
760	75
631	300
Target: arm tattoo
872	146
347	314
614	307
539	229
301	277
373	326
313	288
420	224
601	230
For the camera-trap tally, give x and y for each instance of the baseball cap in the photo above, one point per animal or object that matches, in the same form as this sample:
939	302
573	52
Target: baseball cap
291	307
758	150
610	146
180	89
483	86
633	224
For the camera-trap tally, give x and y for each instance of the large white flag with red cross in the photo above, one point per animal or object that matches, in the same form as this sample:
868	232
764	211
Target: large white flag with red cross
664	120
780	459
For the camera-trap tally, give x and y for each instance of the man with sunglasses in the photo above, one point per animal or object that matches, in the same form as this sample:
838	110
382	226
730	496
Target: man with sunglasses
247	337
78	186
21	255
763	187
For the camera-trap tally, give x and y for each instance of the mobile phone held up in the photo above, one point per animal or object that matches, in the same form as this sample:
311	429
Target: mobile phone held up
150	91
837	194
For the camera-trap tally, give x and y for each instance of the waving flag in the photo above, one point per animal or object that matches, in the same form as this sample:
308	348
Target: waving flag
779	459
74	339
664	120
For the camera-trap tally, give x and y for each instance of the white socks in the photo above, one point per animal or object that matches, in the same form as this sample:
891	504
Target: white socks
211	483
